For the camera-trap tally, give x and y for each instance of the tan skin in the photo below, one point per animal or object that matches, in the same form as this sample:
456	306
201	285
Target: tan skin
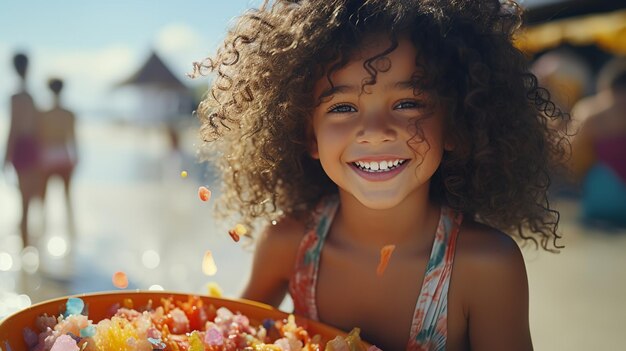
488	297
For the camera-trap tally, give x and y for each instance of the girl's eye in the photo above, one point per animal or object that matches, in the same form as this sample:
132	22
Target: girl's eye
409	104
341	108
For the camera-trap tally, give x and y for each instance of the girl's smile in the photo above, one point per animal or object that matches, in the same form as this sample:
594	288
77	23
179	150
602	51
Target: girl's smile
377	169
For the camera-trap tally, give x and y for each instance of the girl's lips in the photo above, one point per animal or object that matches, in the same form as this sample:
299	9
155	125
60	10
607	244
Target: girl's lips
379	176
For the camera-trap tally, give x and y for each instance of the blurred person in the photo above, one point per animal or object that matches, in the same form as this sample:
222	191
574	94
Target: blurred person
23	149
58	141
599	147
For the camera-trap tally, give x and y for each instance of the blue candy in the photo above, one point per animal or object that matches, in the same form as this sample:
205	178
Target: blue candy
88	331
74	305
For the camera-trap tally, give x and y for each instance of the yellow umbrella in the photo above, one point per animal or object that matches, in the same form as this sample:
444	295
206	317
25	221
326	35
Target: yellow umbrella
607	31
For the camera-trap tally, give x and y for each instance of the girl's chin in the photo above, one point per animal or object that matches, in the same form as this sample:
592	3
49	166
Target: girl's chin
379	201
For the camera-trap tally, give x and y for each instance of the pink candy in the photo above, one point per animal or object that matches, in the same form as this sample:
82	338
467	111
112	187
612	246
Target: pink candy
65	343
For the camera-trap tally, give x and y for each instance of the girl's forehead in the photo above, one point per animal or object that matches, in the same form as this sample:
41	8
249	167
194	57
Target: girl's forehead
399	64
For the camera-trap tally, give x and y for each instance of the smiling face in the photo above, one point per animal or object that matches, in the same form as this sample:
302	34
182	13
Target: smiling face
365	140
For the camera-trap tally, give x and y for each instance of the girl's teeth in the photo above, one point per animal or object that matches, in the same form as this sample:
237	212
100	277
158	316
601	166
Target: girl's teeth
375	166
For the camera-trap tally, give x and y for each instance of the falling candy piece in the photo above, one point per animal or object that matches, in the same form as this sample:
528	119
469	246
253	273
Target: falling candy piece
240	229
183	174
204	193
120	280
213	289
233	234
385	255
208	264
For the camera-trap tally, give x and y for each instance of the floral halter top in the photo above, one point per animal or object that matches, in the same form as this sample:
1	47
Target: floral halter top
429	327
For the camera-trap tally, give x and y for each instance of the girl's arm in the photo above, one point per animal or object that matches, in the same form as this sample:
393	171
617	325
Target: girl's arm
498	296
274	261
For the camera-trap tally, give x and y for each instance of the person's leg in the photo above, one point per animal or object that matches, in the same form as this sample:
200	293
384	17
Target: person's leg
27	186
66	175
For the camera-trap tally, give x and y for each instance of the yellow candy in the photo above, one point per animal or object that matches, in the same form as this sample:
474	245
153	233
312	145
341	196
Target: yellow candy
195	342
214	290
208	264
115	335
240	229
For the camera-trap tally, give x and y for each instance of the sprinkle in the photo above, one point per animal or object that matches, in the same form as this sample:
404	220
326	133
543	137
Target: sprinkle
385	255
213	289
204	193
88	331
183	174
157	343
233	234
208	264
74	305
120	280
240	229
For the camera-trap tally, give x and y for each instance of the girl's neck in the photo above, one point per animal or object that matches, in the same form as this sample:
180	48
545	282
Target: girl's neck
409	224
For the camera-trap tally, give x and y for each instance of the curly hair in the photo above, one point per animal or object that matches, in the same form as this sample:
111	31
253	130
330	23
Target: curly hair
257	113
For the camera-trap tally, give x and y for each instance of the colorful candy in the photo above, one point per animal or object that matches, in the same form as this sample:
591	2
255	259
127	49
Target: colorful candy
385	255
204	193
120	280
240	229
233	234
191	325
65	343
237	232
208	264
74	305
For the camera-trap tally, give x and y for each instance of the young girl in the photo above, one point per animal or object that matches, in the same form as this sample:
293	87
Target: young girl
350	125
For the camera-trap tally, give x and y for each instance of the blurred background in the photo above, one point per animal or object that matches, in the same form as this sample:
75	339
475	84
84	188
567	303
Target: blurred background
129	103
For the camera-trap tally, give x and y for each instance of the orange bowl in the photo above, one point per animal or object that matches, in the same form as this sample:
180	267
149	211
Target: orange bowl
99	304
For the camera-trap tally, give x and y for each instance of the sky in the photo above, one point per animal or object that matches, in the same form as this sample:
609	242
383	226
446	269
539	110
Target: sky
93	45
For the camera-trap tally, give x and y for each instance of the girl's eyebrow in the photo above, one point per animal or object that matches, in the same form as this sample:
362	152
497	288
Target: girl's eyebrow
339	89
346	89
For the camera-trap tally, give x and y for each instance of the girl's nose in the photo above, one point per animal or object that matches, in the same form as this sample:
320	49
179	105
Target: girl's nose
375	128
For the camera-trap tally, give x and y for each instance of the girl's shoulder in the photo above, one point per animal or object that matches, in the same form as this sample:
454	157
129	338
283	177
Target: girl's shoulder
487	261
478	241
490	282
